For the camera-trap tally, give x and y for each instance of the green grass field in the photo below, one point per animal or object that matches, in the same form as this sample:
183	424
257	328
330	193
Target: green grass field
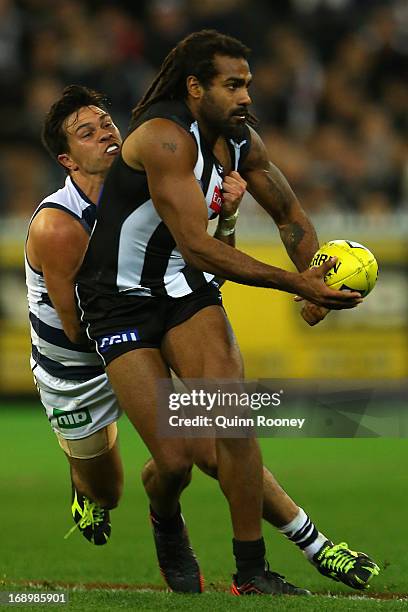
355	490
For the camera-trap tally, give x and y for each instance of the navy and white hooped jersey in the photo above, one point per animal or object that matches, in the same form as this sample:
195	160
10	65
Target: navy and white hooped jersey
51	348
131	250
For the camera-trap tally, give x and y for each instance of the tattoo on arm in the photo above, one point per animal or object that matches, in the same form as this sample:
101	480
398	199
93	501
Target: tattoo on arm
292	235
272	191
169	146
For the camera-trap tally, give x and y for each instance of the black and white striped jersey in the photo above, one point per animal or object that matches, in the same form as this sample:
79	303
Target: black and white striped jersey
51	348
131	250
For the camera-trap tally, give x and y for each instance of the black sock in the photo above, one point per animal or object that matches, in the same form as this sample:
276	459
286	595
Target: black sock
250	559
173	524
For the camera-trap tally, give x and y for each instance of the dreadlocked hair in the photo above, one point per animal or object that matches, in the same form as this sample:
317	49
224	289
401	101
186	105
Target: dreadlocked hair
194	55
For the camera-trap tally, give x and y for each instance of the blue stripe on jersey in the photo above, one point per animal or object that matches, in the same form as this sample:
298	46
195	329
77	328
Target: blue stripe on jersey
81	193
56	336
61	357
89	218
45	298
60	371
57	207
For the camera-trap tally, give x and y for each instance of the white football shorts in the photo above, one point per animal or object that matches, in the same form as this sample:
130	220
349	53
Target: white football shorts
77	408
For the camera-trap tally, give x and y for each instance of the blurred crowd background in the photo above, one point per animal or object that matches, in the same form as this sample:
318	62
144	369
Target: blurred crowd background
330	86
330	90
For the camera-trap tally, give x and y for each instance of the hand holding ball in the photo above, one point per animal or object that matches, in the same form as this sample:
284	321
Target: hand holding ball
356	268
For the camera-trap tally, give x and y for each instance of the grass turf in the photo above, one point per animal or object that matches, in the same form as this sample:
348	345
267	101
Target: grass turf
353	490
213	602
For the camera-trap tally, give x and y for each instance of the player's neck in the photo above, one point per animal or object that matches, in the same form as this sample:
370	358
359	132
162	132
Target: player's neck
90	185
210	134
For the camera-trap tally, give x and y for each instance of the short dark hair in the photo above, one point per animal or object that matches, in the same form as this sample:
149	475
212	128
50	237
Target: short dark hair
74	97
194	55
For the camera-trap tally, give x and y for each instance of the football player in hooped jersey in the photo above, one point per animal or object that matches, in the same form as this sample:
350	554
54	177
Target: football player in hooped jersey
78	399
76	394
147	276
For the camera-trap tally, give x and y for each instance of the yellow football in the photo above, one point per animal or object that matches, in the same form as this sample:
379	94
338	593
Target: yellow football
356	268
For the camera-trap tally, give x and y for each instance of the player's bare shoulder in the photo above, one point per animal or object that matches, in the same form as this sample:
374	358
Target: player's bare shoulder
54	233
158	142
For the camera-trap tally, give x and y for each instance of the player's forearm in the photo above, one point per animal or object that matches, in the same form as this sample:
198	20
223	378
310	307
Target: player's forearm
225	231
220	259
230	241
300	239
73	330
65	305
270	188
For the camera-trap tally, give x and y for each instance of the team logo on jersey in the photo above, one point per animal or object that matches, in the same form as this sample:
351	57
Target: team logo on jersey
127	335
217	200
72	419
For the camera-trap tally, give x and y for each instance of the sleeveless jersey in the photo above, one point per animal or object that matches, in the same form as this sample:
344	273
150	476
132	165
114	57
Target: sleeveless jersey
51	348
131	250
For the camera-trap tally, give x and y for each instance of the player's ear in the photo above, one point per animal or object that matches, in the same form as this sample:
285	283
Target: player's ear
194	88
67	161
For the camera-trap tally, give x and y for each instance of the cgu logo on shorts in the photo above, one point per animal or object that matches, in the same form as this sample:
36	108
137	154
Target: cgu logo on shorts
127	335
70	420
217	200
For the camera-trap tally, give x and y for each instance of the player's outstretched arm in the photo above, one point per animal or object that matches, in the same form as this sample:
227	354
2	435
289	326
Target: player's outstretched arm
272	191
168	155
56	245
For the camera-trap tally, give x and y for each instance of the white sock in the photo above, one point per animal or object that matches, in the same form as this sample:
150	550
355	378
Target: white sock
303	532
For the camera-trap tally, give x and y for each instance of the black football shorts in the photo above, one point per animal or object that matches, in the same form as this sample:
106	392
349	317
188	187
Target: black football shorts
121	323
